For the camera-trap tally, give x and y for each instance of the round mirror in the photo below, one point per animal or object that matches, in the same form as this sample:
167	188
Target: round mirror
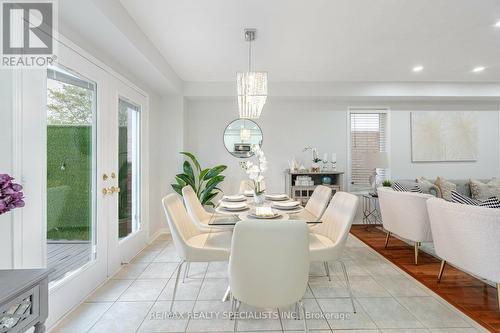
239	137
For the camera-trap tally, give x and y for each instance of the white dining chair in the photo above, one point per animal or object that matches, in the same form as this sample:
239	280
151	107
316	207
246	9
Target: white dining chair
269	265
467	236
247	185
319	200
405	214
199	215
191	244
328	239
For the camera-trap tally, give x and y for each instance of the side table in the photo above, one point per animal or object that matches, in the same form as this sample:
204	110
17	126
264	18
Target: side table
371	209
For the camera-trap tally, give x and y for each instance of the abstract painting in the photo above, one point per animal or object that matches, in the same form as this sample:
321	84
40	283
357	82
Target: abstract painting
442	136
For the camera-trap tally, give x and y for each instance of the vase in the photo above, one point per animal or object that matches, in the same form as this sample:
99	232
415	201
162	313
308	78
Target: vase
315	167
326	180
259	199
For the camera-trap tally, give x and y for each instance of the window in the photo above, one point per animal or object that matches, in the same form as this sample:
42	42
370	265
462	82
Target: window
128	171
71	130
368	135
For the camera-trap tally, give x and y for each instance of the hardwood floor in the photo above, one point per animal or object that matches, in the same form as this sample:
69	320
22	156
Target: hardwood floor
473	297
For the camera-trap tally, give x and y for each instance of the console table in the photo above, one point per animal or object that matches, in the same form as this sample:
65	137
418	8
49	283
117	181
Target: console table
23	300
303	193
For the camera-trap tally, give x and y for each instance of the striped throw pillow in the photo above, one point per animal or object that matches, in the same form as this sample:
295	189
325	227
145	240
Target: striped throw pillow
397	186
457	197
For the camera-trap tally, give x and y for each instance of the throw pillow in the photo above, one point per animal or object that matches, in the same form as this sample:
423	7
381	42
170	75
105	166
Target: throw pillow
492	202
482	191
396	186
445	187
428	187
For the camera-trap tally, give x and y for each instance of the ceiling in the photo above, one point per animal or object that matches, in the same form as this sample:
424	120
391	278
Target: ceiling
325	40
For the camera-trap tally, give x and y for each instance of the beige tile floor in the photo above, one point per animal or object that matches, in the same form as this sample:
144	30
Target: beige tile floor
387	299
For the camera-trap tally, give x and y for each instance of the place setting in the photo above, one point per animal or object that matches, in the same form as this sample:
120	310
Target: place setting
290	207
263	213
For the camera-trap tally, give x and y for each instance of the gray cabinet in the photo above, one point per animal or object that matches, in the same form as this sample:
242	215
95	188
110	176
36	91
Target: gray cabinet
23	300
303	192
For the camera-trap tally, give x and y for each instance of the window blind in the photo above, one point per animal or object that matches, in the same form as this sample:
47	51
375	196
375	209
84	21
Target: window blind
368	134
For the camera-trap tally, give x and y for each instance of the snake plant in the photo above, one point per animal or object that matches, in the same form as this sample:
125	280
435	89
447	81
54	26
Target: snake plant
203	181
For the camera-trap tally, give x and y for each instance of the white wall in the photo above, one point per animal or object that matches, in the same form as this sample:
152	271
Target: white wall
486	166
289	125
166	140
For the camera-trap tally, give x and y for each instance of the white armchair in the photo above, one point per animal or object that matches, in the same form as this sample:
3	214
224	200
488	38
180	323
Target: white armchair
405	214
191	244
328	239
468	237
266	275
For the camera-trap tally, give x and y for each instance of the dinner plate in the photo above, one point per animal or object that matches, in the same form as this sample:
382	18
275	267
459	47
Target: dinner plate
234	198
277	197
234	207
286	205
288	209
266	217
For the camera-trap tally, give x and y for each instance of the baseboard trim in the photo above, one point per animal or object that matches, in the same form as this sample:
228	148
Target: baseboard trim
158	233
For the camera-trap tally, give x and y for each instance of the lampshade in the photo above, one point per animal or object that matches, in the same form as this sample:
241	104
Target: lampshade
252	93
376	160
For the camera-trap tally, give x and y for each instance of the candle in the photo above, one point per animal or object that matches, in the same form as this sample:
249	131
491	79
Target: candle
334	157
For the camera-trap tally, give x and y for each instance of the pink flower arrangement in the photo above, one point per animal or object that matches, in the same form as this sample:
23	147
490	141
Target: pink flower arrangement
11	195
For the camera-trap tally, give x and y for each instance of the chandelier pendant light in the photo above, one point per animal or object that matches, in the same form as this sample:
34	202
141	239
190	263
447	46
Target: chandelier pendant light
252	86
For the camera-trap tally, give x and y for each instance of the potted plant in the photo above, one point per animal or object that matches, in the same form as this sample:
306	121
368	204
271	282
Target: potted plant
386	183
256	174
203	181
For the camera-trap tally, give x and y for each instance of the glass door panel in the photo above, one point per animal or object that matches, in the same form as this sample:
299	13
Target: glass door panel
129	119
71	162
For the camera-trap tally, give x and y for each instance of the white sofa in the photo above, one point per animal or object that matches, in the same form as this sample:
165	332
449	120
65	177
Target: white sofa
467	237
405	214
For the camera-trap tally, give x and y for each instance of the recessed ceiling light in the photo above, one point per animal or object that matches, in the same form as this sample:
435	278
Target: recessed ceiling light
478	69
497	25
418	68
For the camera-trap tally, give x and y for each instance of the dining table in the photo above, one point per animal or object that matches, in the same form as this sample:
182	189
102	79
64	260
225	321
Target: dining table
224	217
221	217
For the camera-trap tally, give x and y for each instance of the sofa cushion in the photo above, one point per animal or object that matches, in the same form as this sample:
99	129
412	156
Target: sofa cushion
397	186
492	202
483	191
445	187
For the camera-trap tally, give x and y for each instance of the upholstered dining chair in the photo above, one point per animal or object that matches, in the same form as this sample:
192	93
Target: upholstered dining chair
467	236
319	200
405	214
199	215
328	239
269	265
247	185
191	244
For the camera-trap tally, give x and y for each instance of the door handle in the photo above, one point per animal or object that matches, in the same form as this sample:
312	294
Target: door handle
107	191
111	190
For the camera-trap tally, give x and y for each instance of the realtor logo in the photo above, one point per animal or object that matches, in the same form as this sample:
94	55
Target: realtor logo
27	33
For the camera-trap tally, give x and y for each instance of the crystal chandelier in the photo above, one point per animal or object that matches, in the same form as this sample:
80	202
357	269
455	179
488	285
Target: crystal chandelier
252	86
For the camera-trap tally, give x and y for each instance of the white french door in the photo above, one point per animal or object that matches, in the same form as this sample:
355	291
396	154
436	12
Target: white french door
127	232
96	197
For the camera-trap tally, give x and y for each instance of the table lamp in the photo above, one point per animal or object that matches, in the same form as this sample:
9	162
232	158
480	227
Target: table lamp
374	161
